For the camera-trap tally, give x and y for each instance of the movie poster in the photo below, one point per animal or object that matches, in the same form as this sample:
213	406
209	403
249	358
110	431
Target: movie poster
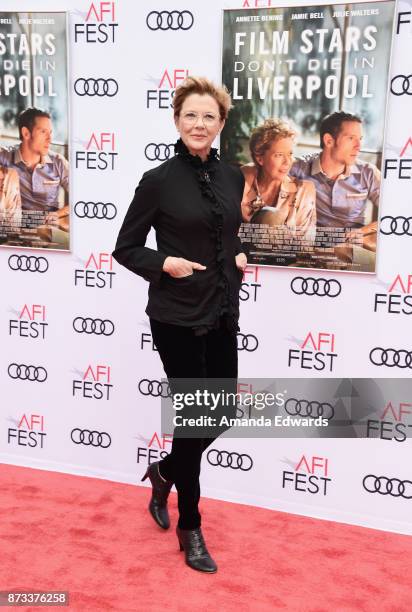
34	167
309	88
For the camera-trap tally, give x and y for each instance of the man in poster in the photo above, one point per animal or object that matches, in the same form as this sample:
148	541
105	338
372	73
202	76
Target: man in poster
41	171
344	184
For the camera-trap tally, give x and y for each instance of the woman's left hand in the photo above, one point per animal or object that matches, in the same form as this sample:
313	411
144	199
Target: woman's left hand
241	261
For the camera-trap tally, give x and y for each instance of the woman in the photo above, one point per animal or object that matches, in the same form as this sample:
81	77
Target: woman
193	203
271	196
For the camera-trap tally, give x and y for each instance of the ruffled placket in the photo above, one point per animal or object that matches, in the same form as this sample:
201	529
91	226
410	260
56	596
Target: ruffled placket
204	173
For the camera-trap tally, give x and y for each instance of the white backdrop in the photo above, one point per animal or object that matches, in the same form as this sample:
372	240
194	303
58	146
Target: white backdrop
38	418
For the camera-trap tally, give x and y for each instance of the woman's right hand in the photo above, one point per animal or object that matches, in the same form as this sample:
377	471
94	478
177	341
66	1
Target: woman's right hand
178	267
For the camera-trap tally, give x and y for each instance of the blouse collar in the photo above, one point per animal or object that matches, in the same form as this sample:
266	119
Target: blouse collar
183	152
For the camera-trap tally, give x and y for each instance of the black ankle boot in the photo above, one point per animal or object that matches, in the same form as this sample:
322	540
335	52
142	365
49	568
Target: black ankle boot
196	553
160	493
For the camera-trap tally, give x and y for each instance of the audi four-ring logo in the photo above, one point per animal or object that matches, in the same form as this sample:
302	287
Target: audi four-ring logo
400	226
96	87
95	210
155	388
27	372
316	286
230	460
392	358
388	486
169	20
247	342
401	84
305	408
100	327
28	263
91	438
160	152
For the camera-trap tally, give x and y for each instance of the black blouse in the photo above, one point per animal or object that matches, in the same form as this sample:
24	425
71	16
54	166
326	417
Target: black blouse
194	207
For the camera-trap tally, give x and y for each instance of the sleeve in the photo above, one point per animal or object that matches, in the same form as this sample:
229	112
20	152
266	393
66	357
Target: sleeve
307	206
4	156
130	250
249	192
374	186
239	248
295	169
12	199
64	173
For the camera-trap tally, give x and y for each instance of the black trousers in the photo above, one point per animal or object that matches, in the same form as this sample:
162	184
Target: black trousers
184	355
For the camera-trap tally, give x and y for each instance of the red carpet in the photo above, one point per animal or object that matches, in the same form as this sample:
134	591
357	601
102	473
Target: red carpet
95	539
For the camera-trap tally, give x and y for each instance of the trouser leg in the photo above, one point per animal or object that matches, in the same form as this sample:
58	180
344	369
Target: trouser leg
222	367
185	355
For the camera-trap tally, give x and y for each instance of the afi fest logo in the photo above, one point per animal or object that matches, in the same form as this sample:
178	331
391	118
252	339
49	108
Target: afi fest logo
243	410
250	284
29	432
252	404
401	166
30	323
100	153
146	342
317	352
95	383
311	475
398	299
259	3
99	26
162	96
404	18
97	272
392	423
157	448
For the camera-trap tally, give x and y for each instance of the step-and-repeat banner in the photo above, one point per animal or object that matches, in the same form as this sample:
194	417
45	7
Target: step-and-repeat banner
80	376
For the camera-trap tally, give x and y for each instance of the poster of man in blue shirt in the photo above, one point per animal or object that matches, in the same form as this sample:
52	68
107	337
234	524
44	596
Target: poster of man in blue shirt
43	174
347	188
34	131
344	184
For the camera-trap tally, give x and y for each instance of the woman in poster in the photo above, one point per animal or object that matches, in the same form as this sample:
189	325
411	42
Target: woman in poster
271	197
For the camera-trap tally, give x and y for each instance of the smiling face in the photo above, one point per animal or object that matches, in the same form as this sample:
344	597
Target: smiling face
276	161
199	123
38	140
345	148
